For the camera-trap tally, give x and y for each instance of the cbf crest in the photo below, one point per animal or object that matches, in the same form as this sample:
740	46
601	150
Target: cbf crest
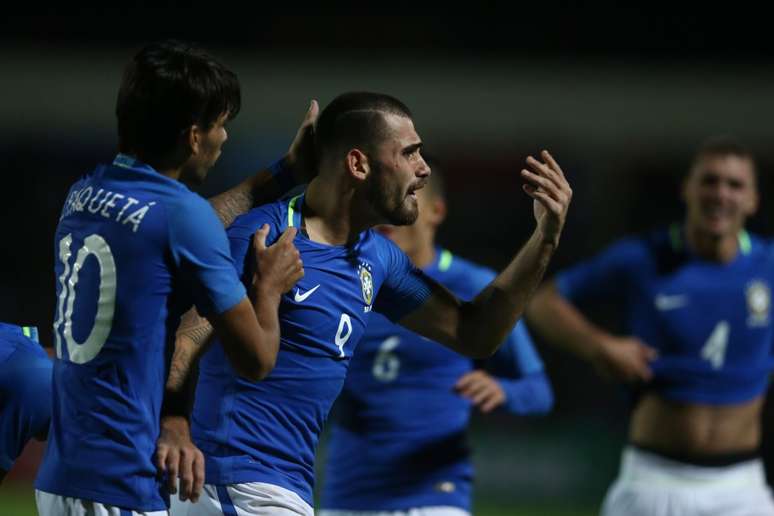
366	284
758	303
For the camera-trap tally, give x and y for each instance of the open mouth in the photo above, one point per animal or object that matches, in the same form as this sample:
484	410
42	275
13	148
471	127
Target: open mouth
412	191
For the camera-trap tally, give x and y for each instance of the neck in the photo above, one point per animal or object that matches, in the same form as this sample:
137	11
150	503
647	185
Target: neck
162	166
334	212
423	254
710	247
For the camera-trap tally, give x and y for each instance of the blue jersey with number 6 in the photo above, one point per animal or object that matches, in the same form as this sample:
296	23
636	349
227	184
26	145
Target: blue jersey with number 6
710	322
133	250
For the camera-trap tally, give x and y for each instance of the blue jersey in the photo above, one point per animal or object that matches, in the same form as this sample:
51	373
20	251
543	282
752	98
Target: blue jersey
133	250
267	431
400	435
709	321
25	391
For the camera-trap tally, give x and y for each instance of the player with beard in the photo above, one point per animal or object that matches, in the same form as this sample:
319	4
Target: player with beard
259	439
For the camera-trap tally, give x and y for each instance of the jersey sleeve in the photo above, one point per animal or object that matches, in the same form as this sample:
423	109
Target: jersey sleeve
405	287
606	276
240	239
25	384
201	252
519	370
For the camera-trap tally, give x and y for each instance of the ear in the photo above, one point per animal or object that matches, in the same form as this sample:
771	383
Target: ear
752	206
437	212
192	138
357	165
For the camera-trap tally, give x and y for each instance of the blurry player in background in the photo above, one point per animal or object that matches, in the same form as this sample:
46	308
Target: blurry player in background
399	443
259	439
697	300
25	392
134	249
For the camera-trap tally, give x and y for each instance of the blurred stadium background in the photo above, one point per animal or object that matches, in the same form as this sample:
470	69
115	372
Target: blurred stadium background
621	97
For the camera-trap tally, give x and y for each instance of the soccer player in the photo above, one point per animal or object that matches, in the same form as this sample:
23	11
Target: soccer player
697	300
399	443
134	248
25	392
259	438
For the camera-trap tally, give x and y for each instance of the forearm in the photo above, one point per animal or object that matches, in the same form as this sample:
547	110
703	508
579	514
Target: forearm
563	325
486	321
266	307
265	186
191	340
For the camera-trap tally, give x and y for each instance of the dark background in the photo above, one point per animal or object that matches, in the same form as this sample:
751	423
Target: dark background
621	96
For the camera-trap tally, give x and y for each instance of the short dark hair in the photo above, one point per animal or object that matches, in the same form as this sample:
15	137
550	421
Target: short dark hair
355	119
167	87
721	146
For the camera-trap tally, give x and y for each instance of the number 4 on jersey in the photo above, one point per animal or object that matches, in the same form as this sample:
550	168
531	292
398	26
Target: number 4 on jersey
714	349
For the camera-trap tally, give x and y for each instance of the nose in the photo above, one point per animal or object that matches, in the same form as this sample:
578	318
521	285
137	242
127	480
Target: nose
424	170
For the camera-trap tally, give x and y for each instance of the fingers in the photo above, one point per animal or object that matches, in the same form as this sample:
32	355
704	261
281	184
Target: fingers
492	403
161	459
552	162
172	467
543	198
198	476
311	114
260	237
466	380
186	473
287	236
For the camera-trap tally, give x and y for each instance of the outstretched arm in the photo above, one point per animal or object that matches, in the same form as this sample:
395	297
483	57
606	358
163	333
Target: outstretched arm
477	328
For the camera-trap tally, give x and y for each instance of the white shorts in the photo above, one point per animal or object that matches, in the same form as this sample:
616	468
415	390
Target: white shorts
651	485
254	499
418	511
56	505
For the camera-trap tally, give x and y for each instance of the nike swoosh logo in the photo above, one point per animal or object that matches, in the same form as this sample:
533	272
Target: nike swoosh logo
300	298
665	303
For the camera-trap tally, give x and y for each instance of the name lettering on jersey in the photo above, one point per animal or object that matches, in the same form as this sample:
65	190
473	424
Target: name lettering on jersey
300	298
664	302
366	285
758	303
110	205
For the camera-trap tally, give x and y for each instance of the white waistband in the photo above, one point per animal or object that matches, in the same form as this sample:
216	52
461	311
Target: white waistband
641	467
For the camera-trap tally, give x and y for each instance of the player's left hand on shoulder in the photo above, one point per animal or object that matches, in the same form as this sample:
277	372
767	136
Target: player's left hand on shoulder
178	457
483	390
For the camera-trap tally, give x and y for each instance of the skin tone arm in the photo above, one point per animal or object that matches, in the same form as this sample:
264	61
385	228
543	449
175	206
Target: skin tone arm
278	269
261	188
562	324
176	454
477	328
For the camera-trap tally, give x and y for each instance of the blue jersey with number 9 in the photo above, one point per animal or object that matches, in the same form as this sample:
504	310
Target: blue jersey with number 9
267	431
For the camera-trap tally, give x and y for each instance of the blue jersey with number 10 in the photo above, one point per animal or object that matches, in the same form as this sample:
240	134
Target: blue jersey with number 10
133	250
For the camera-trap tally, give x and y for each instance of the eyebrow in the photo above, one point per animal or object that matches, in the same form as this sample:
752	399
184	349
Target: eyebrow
413	147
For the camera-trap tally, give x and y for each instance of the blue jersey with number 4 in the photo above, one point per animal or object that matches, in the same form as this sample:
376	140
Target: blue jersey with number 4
710	322
133	250
267	431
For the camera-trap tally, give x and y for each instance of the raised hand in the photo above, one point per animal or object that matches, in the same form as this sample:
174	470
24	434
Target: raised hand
551	192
